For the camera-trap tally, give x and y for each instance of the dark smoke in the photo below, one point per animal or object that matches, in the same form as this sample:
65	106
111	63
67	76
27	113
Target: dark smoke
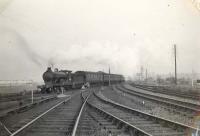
31	55
51	62
24	46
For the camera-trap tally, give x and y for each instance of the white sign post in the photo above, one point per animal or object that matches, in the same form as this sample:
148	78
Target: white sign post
32	96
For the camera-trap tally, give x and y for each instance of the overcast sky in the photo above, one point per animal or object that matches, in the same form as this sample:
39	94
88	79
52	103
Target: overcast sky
93	34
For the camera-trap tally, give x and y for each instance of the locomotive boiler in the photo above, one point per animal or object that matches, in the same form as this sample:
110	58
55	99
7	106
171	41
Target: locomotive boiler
53	80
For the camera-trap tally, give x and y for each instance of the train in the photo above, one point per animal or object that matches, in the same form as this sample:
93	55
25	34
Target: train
57	79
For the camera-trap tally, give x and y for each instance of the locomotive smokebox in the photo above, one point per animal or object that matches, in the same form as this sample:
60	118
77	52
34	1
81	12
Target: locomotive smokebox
48	75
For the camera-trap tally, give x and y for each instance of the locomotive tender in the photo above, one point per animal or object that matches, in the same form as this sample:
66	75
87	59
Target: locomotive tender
65	78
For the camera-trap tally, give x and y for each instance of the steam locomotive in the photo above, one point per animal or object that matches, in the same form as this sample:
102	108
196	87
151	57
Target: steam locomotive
54	80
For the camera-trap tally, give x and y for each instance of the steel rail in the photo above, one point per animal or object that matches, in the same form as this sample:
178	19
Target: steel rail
79	115
120	120
147	114
158	98
7	130
26	106
38	117
178	94
156	95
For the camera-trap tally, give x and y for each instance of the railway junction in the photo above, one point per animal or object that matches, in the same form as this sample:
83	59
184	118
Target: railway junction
120	109
85	103
99	68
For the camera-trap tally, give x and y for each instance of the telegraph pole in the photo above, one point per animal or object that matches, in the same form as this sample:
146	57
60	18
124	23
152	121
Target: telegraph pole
109	76
192	78
175	64
146	74
141	73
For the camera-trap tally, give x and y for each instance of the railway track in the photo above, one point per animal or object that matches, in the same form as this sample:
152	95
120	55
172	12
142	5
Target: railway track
82	115
96	122
19	107
173	110
180	102
15	120
58	121
73	116
174	102
165	90
144	122
20	97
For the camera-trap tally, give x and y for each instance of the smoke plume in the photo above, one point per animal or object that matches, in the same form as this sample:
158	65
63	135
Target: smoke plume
22	44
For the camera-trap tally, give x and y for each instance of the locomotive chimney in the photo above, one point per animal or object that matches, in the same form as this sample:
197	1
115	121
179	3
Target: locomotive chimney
56	70
49	69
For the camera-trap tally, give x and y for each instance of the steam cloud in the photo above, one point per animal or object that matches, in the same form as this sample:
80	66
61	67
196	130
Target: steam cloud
95	56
